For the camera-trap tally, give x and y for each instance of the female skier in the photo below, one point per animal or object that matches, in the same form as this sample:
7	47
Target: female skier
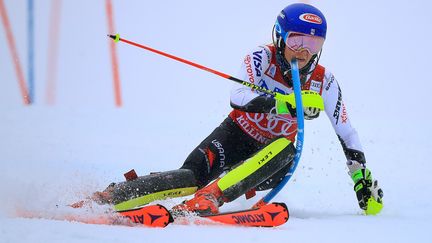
252	149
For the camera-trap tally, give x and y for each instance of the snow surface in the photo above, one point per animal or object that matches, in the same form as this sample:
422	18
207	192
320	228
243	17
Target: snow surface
54	155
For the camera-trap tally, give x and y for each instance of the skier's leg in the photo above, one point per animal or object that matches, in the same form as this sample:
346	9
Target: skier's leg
274	180
225	146
254	171
156	186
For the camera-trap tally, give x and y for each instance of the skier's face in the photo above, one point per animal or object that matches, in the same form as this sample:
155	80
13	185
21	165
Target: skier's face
303	56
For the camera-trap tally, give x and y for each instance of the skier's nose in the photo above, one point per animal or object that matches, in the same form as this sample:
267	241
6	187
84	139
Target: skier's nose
301	54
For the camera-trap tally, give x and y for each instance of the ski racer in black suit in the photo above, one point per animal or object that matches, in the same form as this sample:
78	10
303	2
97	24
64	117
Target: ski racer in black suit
253	149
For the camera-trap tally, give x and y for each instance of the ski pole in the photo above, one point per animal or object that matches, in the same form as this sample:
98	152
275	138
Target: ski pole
300	137
311	99
117	38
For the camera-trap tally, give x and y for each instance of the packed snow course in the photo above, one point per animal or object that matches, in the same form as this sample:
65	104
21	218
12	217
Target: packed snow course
51	156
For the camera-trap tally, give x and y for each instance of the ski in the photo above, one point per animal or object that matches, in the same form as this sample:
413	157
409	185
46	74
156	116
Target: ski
270	215
149	216
152	216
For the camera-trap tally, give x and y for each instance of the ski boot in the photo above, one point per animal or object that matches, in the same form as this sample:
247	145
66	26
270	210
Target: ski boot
206	201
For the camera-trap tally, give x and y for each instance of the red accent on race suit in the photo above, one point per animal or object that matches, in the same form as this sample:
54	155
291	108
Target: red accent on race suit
317	77
264	126
211	157
344	115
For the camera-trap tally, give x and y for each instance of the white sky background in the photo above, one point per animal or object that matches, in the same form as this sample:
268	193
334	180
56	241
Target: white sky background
378	50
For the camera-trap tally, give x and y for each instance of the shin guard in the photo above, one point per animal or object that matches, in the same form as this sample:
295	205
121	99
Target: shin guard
157	186
257	169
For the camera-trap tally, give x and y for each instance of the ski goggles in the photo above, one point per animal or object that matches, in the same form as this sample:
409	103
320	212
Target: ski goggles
299	42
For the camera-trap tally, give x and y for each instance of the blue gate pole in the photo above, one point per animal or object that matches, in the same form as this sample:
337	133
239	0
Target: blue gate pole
30	54
300	133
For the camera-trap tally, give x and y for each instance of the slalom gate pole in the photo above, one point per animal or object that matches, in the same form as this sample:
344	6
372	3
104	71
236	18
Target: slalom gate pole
52	55
300	136
114	58
30	49
14	53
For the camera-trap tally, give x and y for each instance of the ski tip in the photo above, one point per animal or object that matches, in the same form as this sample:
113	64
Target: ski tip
278	212
285	210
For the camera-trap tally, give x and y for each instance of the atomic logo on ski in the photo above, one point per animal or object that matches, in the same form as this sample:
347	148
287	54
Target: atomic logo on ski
273	215
154	218
152	215
270	215
138	219
248	218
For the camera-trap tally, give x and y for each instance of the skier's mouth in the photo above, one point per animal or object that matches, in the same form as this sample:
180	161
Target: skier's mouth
301	62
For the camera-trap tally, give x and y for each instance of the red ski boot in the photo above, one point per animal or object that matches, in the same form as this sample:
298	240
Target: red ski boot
206	201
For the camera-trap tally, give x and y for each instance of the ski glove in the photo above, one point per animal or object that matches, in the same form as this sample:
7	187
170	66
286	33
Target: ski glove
369	194
285	108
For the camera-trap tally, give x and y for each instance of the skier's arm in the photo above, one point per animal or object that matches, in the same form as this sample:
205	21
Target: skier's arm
252	69
259	104
369	194
337	113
